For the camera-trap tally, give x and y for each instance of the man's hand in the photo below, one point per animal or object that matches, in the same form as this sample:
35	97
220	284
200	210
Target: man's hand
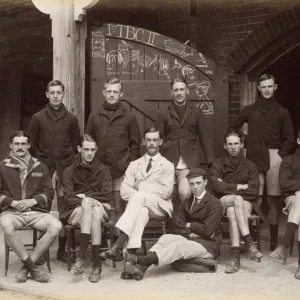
25	204
241	187
14	203
194	235
188	225
82	196
220	180
297	193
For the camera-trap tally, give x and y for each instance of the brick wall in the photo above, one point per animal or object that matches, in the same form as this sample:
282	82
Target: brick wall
221	25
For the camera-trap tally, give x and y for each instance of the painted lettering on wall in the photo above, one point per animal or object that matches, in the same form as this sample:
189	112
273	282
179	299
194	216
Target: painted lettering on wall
131	33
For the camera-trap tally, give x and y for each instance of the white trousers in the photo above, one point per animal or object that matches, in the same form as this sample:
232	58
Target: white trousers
171	247
136	216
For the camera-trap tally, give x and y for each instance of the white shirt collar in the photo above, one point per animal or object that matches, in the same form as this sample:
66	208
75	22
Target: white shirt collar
201	196
154	158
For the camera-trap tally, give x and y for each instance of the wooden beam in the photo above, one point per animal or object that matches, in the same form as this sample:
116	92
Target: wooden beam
69	48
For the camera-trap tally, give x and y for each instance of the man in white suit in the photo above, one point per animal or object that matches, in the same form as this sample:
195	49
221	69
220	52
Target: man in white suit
147	187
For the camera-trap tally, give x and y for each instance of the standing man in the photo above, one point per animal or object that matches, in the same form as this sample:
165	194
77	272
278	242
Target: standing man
55	134
184	132
270	138
147	186
289	178
197	232
117	135
25	200
87	189
235	182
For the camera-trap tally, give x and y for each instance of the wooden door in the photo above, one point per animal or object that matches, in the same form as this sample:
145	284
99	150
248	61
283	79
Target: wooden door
146	62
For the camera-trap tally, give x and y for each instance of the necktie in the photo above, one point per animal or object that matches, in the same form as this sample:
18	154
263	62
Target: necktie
194	203
149	166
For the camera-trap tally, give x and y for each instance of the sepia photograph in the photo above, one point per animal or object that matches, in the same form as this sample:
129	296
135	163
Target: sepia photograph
149	149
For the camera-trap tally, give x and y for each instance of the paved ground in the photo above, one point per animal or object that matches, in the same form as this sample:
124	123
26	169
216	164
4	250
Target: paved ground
265	280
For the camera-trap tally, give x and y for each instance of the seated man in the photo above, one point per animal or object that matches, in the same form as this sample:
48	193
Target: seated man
25	200
87	189
196	231
235	181
289	179
147	186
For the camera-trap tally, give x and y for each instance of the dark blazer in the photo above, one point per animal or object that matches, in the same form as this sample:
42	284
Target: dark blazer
37	185
98	185
289	173
259	132
185	138
205	219
246	173
54	140
118	138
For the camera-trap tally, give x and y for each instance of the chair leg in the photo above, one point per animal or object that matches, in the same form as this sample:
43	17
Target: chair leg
258	235
48	260
292	246
6	258
73	244
164	227
112	241
69	249
144	247
34	238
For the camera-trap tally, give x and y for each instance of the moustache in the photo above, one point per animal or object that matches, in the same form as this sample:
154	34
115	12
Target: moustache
20	150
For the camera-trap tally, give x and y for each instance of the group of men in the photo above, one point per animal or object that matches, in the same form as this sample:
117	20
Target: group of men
102	170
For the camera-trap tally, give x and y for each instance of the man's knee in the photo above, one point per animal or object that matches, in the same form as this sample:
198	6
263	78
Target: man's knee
98	213
87	203
238	200
55	227
273	201
7	224
230	213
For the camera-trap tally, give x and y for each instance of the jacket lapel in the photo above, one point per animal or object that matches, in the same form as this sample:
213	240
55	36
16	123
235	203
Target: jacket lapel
188	112
143	166
155	166
200	205
173	113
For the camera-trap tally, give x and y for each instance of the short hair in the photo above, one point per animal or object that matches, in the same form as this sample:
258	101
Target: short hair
266	76
55	83
85	138
178	79
20	133
113	81
152	129
234	133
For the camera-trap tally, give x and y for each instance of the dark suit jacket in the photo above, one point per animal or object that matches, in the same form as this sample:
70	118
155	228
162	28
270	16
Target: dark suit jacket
185	138
289	173
260	133
118	139
205	219
54	140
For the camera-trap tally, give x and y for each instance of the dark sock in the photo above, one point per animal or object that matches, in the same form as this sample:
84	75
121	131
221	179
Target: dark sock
96	259
29	264
298	253
236	252
148	260
274	234
248	240
62	240
132	250
123	237
289	234
84	243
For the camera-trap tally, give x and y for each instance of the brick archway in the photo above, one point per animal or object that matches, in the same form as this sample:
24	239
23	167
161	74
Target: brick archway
264	41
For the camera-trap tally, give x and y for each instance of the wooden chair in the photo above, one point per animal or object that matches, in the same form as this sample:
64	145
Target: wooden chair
108	229
155	228
29	247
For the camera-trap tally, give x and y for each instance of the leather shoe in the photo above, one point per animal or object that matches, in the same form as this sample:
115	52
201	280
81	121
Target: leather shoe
95	275
254	253
280	253
78	268
234	266
22	274
136	271
113	252
132	259
39	276
297	274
